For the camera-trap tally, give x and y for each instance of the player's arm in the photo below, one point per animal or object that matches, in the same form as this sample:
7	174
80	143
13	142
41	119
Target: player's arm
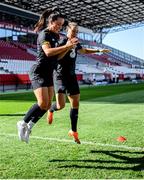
89	51
61	55
57	50
49	51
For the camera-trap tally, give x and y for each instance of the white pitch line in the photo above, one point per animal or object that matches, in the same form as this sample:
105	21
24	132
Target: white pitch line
82	142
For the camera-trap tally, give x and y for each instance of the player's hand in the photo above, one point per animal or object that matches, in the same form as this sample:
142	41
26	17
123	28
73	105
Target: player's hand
72	42
105	50
75	41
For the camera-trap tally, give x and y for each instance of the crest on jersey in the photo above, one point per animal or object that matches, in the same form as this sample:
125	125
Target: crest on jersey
40	81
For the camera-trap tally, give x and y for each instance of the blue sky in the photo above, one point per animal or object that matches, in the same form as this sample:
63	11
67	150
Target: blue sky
130	41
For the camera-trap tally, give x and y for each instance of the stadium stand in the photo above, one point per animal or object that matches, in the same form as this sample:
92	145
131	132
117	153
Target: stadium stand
15	66
17	59
17	56
9	51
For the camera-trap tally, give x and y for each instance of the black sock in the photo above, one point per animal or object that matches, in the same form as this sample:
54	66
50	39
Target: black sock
74	119
34	114
53	108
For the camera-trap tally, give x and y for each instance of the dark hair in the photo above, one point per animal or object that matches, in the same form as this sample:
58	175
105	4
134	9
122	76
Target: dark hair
50	15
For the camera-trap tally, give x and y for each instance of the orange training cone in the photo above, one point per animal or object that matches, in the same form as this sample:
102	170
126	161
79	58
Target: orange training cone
121	139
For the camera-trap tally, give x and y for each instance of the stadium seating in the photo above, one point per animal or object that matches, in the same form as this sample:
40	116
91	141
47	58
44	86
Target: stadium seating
17	58
9	51
15	66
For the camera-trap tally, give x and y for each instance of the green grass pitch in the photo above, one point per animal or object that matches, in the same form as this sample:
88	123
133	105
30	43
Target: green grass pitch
106	112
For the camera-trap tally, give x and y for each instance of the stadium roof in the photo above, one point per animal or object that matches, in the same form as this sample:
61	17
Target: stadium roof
93	14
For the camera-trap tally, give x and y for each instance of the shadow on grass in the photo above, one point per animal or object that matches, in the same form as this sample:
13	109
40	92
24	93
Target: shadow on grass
136	97
125	160
12	114
27	96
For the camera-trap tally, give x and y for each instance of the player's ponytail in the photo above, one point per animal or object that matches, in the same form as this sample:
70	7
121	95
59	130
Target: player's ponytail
52	15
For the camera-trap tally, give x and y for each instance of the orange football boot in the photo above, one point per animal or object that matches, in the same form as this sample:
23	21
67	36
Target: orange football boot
75	136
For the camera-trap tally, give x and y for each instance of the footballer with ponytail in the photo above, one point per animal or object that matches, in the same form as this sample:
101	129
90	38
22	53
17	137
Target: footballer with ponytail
48	15
41	73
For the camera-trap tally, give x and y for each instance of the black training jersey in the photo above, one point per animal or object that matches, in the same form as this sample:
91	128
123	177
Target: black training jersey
46	37
66	66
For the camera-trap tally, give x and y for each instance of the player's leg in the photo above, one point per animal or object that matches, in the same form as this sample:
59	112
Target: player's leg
44	97
74	101
42	87
74	97
60	98
58	105
34	113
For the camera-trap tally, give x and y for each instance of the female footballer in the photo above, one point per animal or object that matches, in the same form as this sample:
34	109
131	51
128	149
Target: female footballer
65	80
41	73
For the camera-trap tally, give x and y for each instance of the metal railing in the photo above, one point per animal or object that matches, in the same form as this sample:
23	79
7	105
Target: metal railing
14	86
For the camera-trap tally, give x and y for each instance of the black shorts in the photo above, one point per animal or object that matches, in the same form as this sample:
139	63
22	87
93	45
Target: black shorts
67	85
39	79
